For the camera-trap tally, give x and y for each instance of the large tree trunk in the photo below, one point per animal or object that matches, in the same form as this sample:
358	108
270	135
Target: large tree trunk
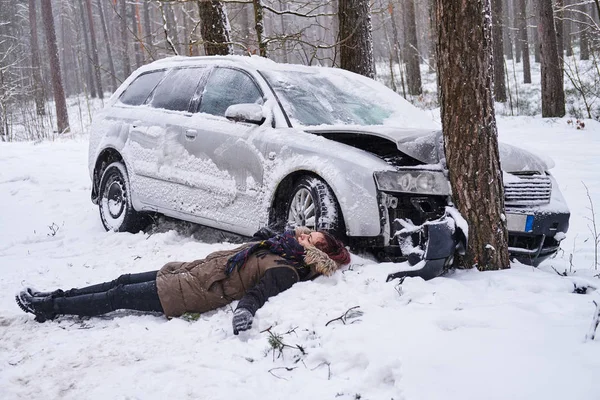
136	27
62	118
149	45
560	32
553	95
94	49
38	86
524	40
469	125
214	28
411	50
356	42
498	44
111	64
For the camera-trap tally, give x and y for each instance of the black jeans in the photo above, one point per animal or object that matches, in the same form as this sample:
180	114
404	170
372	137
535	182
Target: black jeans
129	292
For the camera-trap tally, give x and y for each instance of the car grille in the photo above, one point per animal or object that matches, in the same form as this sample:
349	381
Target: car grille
526	190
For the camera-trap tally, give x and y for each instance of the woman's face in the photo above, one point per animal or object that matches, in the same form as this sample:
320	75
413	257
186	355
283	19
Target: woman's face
311	239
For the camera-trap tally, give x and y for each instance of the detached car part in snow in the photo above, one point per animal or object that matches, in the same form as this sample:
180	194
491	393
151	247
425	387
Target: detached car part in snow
240	143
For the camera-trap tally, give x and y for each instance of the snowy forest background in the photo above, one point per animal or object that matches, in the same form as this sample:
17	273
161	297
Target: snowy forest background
99	43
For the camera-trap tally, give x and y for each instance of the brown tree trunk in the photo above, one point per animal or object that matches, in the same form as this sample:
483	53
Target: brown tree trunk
89	70
355	37
553	95
94	49
172	28
149	46
470	139
136	27
560	33
524	40
214	28
411	50
124	38
498	44
62	118
111	64
38	86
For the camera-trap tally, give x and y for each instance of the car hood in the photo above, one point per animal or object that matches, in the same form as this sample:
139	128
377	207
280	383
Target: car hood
427	146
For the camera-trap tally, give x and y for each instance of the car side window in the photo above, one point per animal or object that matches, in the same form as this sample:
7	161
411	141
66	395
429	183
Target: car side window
139	90
226	87
176	91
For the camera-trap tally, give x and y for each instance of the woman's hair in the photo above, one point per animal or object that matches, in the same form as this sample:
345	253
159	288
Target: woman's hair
334	248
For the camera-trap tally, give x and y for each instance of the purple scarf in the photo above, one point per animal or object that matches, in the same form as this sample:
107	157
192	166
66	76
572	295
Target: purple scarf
284	245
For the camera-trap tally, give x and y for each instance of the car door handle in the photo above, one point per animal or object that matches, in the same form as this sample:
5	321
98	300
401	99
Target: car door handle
190	134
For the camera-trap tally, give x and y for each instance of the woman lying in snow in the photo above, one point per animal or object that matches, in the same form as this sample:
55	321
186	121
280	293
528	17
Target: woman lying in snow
250	273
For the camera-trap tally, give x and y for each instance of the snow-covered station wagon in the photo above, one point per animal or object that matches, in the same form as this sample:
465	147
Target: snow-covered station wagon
239	143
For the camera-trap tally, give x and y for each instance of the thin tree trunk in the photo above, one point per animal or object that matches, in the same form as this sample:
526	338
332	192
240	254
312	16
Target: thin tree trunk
214	28
62	118
89	70
111	65
431	38
413	72
38	86
469	125
124	38
356	41
524	40
499	78
568	30
517	25
94	49
147	33
536	36
137	28
259	27
507	31
553	95
584	43
397	46
172	28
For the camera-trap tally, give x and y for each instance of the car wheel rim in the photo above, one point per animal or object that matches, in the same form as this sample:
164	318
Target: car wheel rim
302	210
114	203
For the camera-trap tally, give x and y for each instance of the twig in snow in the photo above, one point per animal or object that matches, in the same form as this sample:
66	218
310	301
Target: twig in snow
281	377
346	315
561	274
596	319
328	369
593	227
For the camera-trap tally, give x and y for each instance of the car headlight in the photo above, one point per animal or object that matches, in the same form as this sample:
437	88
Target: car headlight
413	181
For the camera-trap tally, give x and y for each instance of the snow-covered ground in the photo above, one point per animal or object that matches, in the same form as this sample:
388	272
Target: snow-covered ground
513	334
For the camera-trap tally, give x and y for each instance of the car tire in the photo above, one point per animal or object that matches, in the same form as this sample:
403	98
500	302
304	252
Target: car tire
114	201
311	203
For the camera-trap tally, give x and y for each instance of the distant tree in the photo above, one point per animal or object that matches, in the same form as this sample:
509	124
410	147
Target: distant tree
95	58
553	94
89	67
498	44
259	27
214	28
111	64
38	86
411	50
522	24
464	54
124	38
62	118
355	37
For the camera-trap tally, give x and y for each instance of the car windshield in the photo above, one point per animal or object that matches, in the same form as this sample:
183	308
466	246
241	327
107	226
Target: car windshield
333	97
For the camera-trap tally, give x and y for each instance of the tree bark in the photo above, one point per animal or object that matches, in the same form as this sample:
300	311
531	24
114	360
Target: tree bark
498	45
584	42
507	32
568	30
259	27
94	49
464	55
62	117
560	33
149	46
411	50
355	37
111	64
124	41
214	28
517	23
38	86
524	40
553	95
136	27
89	70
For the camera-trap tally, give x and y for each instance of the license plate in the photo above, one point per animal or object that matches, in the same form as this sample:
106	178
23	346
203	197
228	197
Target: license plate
519	222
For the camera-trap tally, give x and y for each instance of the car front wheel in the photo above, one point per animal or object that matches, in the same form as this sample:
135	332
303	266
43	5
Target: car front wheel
313	204
116	212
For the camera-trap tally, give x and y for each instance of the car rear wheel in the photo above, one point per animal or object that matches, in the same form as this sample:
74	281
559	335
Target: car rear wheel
313	204
116	212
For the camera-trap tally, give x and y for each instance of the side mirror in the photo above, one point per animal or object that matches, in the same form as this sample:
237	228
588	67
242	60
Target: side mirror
251	113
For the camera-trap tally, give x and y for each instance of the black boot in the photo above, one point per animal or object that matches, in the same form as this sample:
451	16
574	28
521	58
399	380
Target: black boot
41	307
37	293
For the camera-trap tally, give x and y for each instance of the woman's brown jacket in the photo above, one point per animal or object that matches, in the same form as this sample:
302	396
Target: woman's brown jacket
203	285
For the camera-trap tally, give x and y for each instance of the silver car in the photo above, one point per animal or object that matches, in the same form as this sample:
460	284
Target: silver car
239	143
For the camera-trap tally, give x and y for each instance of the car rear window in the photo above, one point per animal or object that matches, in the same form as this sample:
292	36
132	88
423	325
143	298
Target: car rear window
176	91
139	90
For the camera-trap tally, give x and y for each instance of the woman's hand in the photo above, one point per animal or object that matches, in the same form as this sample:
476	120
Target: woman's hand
242	320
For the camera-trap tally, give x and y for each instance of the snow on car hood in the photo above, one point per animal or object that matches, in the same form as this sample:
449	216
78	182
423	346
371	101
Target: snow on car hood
427	146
